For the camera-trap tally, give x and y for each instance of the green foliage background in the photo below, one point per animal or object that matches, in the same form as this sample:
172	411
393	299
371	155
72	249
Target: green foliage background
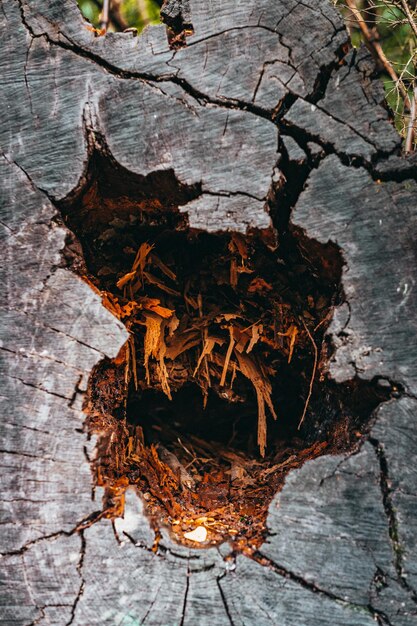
129	10
398	42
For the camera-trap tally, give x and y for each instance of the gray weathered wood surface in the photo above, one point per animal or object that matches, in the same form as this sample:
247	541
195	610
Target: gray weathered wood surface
343	543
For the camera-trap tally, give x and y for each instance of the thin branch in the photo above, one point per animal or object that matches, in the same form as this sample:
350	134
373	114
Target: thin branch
313	374
411	131
410	18
115	17
376	49
104	16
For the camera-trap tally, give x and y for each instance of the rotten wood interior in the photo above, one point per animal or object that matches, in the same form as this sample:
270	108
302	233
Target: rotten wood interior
222	387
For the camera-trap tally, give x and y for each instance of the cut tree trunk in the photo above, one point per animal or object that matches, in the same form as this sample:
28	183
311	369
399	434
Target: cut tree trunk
265	107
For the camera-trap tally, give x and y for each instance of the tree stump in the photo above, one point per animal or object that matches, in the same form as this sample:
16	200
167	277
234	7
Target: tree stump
265	117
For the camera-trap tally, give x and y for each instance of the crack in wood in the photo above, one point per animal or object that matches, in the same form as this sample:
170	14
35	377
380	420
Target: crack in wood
83	524
199	96
393	523
260	558
80	565
187	587
224	601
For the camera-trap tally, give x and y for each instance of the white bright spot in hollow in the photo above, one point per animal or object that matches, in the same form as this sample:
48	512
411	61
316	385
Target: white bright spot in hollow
199	534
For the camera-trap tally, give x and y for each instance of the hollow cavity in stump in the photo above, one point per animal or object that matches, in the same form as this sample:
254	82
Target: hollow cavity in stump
221	388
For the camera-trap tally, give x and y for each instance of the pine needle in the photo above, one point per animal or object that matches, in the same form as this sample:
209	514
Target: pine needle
164	268
292	333
313	374
161	369
132	356
227	358
208	346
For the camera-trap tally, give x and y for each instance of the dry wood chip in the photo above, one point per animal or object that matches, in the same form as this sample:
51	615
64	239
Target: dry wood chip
141	257
125	279
259	285
227	358
242	338
128	309
208	346
253	371
199	534
152	341
172	324
256	335
291	333
137	269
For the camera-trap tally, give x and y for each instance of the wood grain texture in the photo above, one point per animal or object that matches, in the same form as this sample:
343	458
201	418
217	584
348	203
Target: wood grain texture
259	84
373	230
350	118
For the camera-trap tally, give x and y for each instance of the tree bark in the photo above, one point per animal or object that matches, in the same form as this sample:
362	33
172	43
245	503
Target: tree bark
265	96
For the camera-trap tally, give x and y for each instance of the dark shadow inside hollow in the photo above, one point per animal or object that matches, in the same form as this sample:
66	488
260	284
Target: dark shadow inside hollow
227	331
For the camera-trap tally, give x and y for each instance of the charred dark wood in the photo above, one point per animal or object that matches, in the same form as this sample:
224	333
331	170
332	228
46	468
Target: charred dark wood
264	111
